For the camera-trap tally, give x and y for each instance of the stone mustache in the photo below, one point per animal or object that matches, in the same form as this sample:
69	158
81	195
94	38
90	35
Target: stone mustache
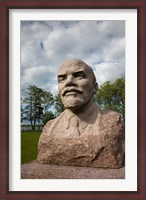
83	135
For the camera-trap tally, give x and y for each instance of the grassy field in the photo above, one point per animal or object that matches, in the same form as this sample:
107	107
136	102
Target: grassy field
29	141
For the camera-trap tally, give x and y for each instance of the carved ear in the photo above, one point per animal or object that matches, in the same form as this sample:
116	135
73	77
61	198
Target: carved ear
95	87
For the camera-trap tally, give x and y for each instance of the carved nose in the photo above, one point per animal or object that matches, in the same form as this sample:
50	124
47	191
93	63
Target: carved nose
70	81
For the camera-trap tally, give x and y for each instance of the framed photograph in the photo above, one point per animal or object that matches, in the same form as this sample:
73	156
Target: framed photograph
36	36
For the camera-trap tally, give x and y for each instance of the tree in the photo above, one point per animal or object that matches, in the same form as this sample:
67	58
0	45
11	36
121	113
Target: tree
22	117
111	96
58	105
47	102
48	116
36	100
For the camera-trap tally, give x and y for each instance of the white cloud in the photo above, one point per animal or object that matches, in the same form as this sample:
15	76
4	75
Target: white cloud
46	44
108	72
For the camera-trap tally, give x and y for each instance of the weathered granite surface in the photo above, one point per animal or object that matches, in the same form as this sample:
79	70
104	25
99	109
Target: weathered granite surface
99	142
35	170
83	135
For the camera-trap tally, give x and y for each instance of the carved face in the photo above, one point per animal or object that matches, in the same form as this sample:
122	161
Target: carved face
76	84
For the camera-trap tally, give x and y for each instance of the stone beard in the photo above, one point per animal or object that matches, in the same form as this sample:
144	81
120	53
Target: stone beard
82	135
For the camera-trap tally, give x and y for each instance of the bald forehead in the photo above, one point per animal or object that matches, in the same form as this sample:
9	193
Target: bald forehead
77	65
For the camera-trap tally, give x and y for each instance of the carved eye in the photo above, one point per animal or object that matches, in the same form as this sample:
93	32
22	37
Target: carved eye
61	78
79	75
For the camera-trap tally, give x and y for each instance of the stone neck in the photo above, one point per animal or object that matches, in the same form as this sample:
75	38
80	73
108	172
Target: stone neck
85	112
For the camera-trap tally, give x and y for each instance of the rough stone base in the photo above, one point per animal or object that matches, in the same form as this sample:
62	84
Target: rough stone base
34	170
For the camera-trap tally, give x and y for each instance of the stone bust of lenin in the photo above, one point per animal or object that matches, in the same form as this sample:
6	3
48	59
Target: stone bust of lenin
83	135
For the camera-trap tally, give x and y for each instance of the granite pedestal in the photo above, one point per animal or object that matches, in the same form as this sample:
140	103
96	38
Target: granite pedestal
35	170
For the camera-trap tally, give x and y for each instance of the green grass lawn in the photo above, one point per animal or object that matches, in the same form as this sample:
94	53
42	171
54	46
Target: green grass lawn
29	142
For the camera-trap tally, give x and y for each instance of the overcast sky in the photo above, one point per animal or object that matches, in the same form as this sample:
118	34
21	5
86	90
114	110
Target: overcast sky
46	44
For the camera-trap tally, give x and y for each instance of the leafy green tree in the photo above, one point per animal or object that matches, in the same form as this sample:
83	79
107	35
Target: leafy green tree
48	116
59	108
37	102
111	96
22	114
47	100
